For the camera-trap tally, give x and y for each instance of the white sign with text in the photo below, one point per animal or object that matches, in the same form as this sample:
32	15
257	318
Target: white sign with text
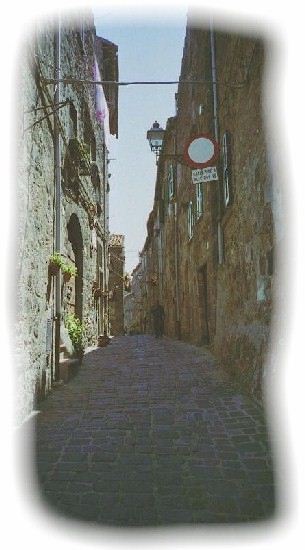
201	175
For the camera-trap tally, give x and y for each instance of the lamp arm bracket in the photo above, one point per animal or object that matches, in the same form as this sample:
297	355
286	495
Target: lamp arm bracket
176	158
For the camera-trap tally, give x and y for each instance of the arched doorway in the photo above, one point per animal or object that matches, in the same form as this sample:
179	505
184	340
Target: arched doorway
75	255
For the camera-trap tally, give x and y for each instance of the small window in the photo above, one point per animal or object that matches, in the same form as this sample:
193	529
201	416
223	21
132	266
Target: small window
93	148
226	174
270	262
176	103
199	200
161	211
190	220
171	182
82	31
87	132
72	122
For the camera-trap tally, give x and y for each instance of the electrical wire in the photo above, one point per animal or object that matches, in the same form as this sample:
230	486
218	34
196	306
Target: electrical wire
139	82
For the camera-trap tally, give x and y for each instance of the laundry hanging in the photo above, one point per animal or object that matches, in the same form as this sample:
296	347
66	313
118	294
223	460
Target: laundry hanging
101	107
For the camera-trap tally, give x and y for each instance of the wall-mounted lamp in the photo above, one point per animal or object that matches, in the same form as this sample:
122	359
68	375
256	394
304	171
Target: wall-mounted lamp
155	138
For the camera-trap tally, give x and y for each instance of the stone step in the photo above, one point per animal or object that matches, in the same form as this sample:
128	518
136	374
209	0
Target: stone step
63	352
68	367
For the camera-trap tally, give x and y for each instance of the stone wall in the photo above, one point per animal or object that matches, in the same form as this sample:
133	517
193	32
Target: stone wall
84	229
116	284
245	279
217	291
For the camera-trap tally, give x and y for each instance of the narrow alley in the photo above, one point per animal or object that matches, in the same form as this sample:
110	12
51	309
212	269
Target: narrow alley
151	433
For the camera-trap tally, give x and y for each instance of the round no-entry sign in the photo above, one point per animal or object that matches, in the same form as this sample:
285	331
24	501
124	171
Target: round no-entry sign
200	151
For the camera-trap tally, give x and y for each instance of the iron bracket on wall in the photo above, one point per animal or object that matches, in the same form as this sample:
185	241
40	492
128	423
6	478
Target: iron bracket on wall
54	110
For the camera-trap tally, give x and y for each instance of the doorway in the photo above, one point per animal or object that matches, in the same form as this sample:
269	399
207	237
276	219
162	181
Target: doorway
76	257
203	304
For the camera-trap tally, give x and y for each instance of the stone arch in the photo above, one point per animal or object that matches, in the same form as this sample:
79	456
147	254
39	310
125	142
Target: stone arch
76	256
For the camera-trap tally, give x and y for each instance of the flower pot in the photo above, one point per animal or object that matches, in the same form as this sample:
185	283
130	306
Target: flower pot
53	268
103	340
66	277
97	293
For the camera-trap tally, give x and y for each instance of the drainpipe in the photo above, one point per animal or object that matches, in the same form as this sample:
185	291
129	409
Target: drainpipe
57	174
106	241
178	327
216	135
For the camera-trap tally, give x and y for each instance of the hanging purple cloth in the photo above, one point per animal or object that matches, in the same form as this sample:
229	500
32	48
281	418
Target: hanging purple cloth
101	107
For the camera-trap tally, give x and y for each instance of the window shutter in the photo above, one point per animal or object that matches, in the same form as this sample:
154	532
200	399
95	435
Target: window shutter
161	210
226	174
199	200
171	181
190	219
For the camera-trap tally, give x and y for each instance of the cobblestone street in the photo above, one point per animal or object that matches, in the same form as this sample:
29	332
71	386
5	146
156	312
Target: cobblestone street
149	433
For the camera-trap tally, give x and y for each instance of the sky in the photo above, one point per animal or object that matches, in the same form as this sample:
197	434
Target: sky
148	49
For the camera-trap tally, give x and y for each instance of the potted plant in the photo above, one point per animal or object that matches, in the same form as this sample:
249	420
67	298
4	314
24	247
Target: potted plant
85	159
76	331
103	340
68	270
94	286
97	293
80	155
55	263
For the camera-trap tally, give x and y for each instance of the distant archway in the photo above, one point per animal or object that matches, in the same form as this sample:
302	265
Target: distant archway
76	256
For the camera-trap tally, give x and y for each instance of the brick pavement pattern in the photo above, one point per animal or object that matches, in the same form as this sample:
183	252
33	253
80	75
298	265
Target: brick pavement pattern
150	432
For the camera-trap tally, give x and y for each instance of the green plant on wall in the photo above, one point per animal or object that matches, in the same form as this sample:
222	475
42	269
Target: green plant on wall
80	152
55	263
84	149
69	269
56	259
76	331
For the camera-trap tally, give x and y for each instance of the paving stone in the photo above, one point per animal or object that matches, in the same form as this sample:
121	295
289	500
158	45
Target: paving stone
103	456
138	500
58	475
108	485
149	433
170	517
223	504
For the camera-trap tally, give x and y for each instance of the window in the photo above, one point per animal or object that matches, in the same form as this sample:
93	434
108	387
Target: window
176	102
201	109
190	219
82	31
171	182
270	262
199	200
226	174
161	210
72	122
87	125
88	134
93	148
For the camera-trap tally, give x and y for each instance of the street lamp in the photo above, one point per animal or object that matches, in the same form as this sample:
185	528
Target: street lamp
155	138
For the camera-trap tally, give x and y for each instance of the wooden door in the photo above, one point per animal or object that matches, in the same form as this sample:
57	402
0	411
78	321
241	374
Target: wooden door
203	304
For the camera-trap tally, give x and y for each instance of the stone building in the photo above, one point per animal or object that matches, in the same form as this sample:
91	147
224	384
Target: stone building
136	306
210	245
86	114
116	284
